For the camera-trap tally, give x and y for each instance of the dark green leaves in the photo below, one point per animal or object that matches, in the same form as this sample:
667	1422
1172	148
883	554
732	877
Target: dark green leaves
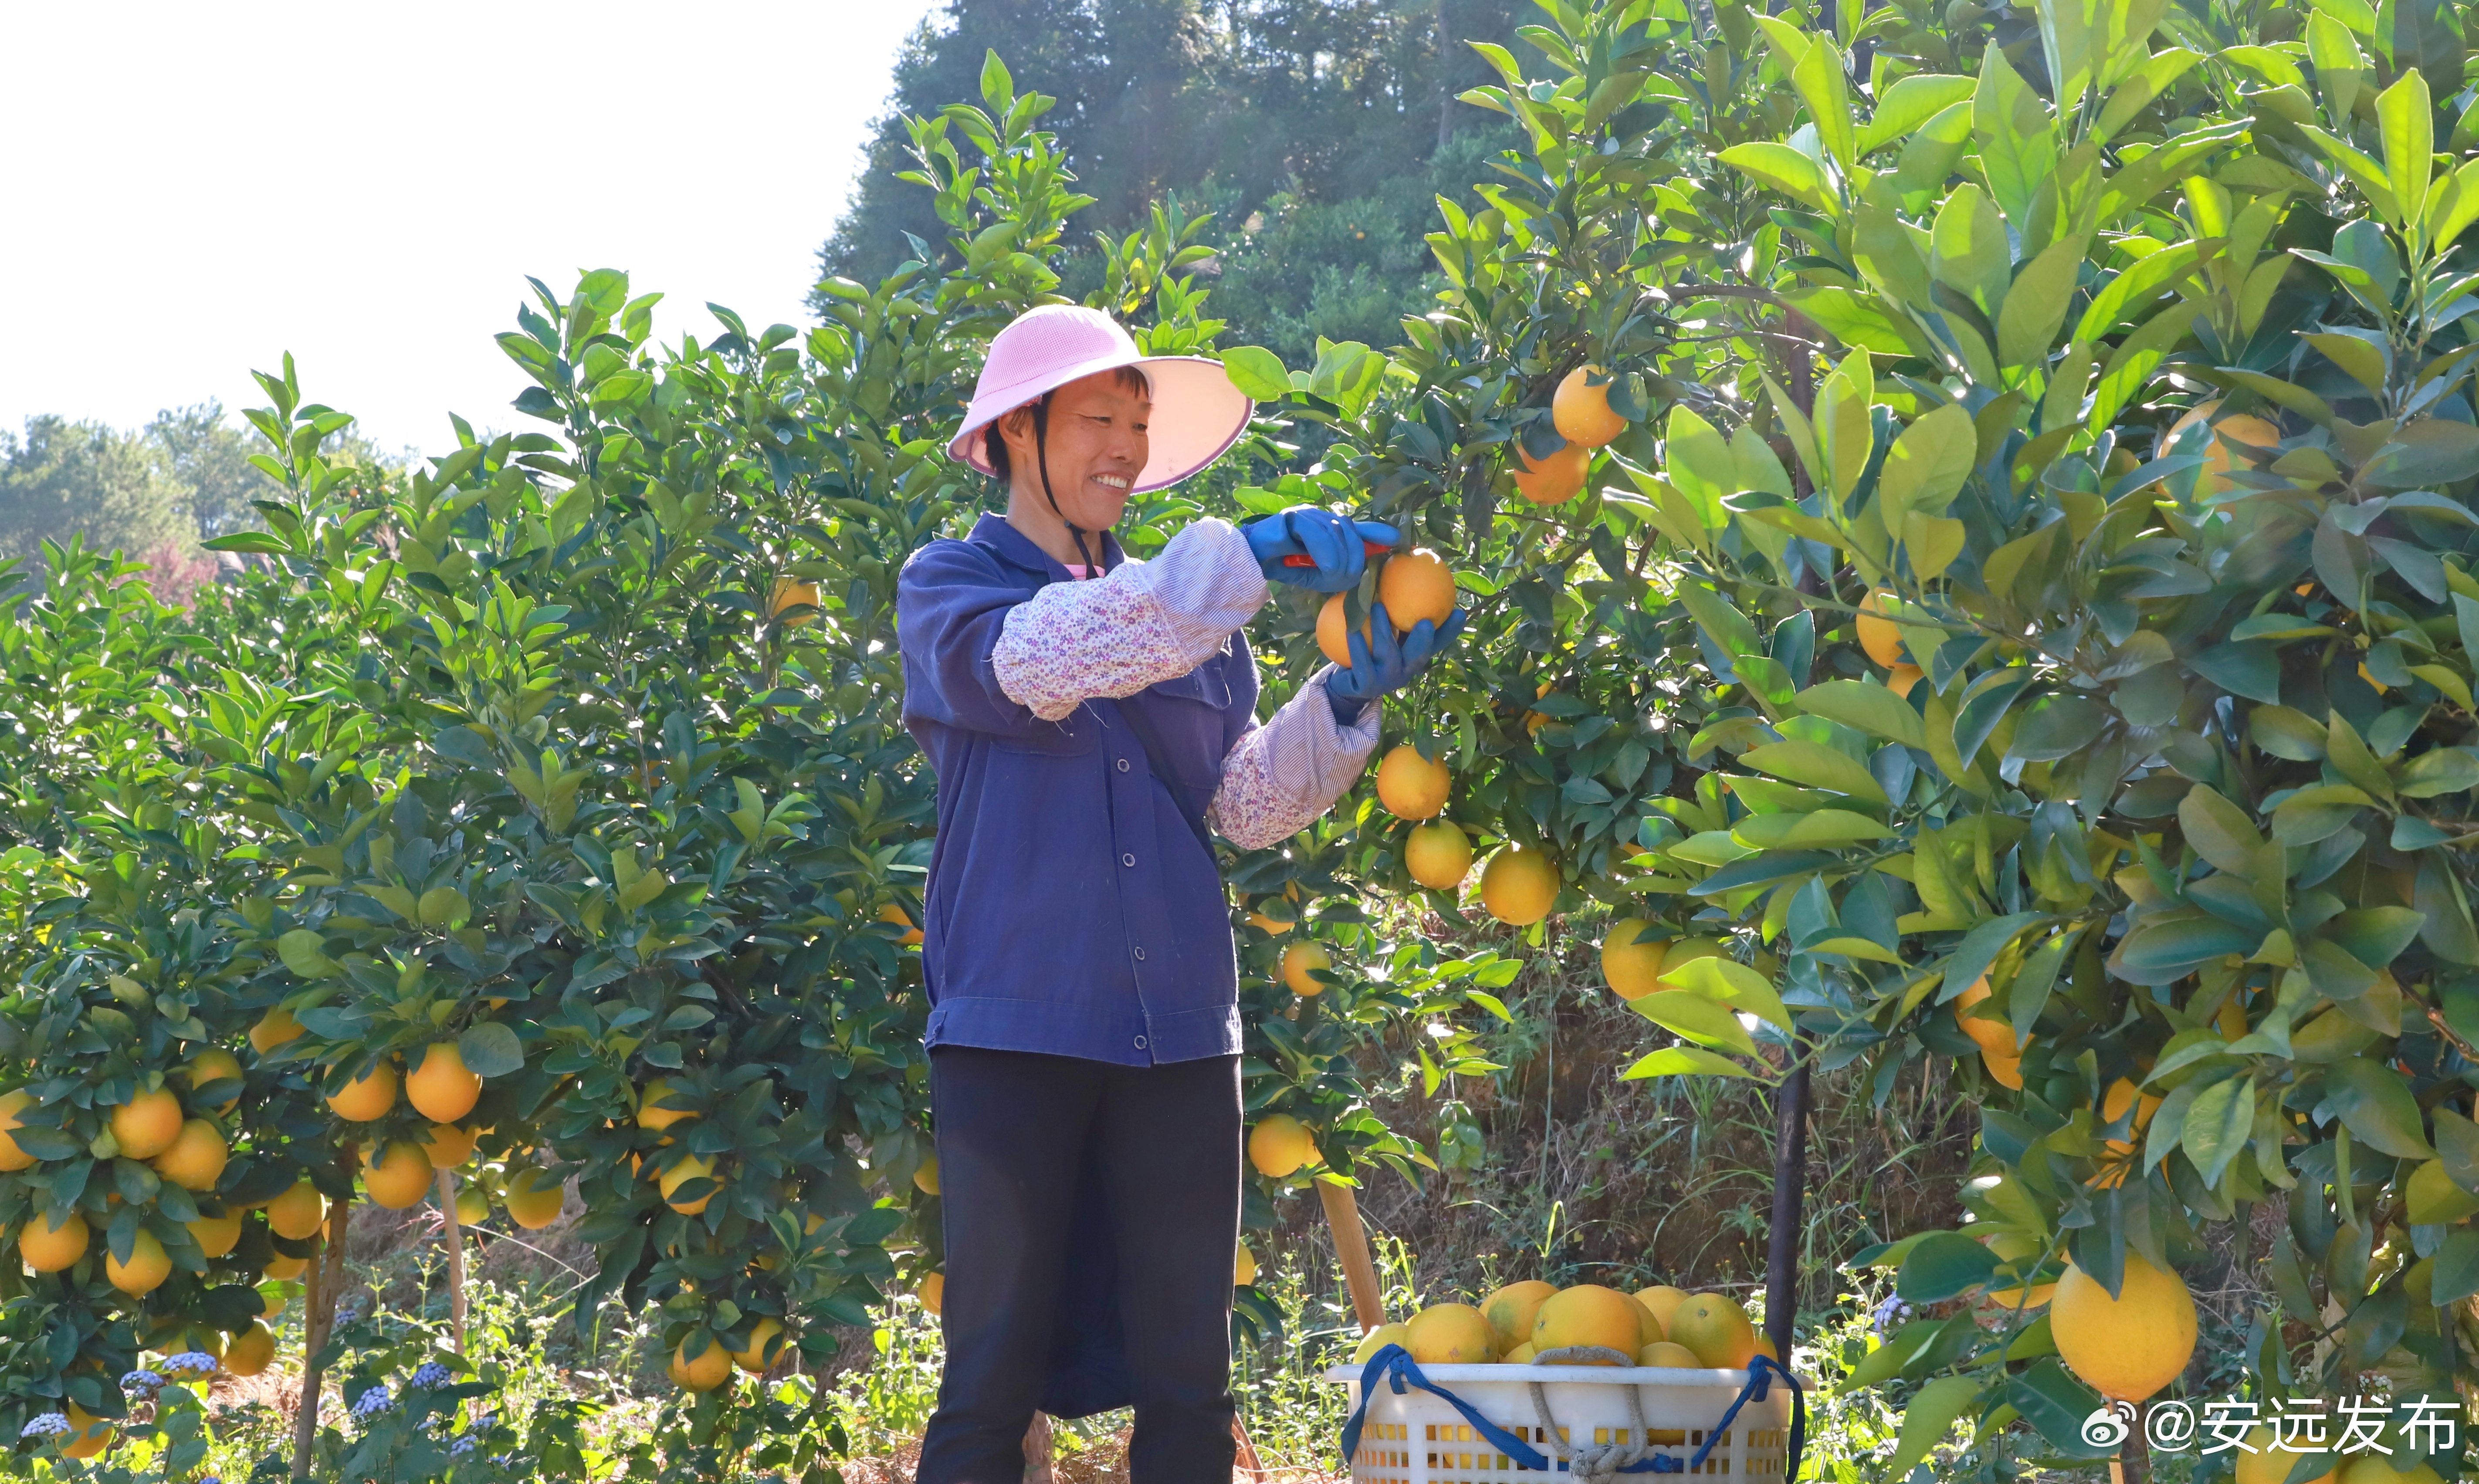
2377	1106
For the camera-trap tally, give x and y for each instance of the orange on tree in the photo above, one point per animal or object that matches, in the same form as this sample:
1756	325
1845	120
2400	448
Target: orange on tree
688	1167
1438	855
1581	410
1273	915
933	1292
2006	1070
11	1104
472	1207
215	1236
1996	1037
709	1369
1878	634
398	1176
49	1248
1299	959
211	1065
1662	1302
1333	641
366	1097
651	1114
1416	585
762	1346
1449	1334
1686	950
532	1197
2129	1346
924	1178
148	1265
1243	1266
1589	1314
286	1269
2378	1468
87	1435
440	1088
896	916
2234	438
1280	1144
1411	786
273	1029
298	1212
1519	885
1901	679
793	593
145	1126
250	1351
195	1159
2020	1253
2262	1460
1553	480
1511	1309
1631	960
1716	1328
450	1144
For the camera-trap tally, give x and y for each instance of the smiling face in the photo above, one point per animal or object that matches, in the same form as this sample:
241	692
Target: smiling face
1097	448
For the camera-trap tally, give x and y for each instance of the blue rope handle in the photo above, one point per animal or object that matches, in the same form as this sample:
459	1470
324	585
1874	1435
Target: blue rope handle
1393	1366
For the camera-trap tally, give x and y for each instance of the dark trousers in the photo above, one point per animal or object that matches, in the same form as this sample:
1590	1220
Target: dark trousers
1015	1130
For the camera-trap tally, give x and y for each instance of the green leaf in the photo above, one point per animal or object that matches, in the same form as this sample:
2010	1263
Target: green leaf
2136	286
2168	947
2219	1124
1700	464
490	1049
1910	103
1683	1061
1927	465
1931	1414
1686	1014
2408	125
2219	831
1968	250
2456	1276
304	952
2018	145
1870	708
1943	1266
2035	304
1258	372
2376	936
1786	170
1820	828
1731	982
2377	1106
1817	766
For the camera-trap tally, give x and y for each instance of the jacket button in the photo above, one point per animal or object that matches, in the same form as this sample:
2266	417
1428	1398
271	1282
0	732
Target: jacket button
1140	955
1141	1043
1127	860
1123	765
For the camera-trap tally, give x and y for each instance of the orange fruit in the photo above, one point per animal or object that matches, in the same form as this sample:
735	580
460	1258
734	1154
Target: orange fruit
216	1236
450	1144
298	1212
933	1292
1669	1354
286	1269
1901	679
1436	856
1589	1314
1298	960
212	1064
1449	1334
148	1265
762	1346
1631	960
2270	1463
893	913
2223	456
50	1249
1415	585
87	1435
1332	642
1411	786
2129	1346
472	1207
1662	1302
398	1176
1511	1309
2008	1070
1243	1267
1519	886
1377	1340
532	1198
1716	1328
690	1166
147	1125
250	1350
789	593
1556	479
1582	413
1995	1036
925	1178
708	1371
2022	1254
1878	634
441	1089
650	1115
273	1029
365	1097
1280	1144
10	1106
195	1159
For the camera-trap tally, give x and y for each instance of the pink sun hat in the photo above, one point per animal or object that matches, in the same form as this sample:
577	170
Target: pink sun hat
1198	416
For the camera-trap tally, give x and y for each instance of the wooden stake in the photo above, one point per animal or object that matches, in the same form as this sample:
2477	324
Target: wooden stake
1247	1450
453	1234
326	1274
1351	1244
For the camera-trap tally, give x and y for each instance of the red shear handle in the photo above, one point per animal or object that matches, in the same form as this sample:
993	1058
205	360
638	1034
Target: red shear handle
1368	548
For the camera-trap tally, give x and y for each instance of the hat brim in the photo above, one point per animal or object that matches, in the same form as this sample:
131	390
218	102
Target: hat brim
1197	414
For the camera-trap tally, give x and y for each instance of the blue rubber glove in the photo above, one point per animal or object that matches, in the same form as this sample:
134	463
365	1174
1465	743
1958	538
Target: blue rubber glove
1334	545
1381	662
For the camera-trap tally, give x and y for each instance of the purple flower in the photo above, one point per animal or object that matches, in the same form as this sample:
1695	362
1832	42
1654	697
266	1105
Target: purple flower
50	1424
142	1383
372	1402
189	1362
431	1375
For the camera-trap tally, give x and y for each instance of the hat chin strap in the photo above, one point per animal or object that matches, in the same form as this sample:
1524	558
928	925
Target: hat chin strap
1041	461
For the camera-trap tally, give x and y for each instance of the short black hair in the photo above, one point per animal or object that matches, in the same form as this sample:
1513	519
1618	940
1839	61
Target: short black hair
1127	378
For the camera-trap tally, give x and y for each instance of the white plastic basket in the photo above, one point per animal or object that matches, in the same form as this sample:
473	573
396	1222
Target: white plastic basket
1418	1438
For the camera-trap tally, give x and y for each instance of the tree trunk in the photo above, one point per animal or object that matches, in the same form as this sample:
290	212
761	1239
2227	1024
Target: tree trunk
1351	1246
326	1275
2134	1462
1790	1176
452	1233
1446	78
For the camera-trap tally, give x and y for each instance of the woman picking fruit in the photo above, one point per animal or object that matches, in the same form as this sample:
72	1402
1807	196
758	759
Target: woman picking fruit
1091	717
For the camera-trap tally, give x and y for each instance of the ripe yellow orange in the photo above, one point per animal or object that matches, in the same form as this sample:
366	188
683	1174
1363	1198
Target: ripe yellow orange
215	1236
1280	1144
896	915
448	1144
1589	1314
1765	1347
50	1249
397	1176
440	1088
273	1029
250	1350
1519	886
790	593
211	1065
1438	855
2223	456
2378	1468
1511	1309
2006	1070
708	1369
1411	786
87	1435
651	1114
1377	1340
365	1097
1556	479
1273	915
1449	1334
1878	634
763	1347
933	1292
2129	1346
1582	412
298	1212
1716	1328
1299	959
2022	1254
148	1265
286	1269
533	1198
924	1179
10	1106
196	1160
2123	1094
1631	960
1416	585
690	1166
1901	679
1993	1035
1243	1266
1521	1355
147	1125
1331	641
1669	1354
1662	1302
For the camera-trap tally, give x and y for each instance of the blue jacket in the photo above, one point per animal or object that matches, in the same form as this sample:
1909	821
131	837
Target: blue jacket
1069	909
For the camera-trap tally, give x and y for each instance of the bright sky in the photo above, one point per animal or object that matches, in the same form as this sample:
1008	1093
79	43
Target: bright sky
200	189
